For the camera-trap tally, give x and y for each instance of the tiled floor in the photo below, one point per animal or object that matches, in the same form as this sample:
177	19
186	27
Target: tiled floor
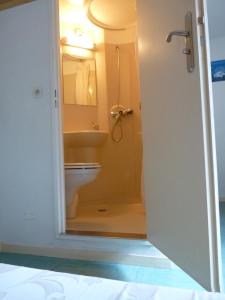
165	277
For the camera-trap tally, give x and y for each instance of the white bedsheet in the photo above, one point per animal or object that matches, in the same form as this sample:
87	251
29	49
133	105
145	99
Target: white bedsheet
21	283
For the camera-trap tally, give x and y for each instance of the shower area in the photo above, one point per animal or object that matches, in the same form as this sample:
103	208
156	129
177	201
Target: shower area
111	205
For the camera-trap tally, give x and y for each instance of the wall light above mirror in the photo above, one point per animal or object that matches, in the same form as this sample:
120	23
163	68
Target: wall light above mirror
79	81
75	27
78	37
76	52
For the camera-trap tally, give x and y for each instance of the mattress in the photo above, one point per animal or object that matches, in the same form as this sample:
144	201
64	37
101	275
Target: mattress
21	283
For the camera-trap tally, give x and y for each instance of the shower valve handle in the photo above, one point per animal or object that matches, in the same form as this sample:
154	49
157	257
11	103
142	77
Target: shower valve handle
125	112
128	111
116	114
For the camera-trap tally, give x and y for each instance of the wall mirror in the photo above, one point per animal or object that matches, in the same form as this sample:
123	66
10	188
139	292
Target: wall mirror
79	81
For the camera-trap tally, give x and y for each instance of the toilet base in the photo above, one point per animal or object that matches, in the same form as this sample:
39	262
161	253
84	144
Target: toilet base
71	210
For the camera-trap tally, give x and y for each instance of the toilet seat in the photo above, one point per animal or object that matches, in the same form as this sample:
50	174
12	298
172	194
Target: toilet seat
81	166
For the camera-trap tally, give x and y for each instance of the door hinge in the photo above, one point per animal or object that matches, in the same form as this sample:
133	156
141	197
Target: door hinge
55	98
201	20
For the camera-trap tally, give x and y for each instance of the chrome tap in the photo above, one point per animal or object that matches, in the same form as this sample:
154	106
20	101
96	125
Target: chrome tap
121	113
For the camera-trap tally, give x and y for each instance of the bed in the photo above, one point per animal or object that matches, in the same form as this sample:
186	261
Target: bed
21	283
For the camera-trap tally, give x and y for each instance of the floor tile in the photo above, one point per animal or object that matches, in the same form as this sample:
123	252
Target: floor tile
165	277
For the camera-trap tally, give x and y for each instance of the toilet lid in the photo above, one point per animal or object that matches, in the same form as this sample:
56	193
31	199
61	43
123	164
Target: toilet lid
82	166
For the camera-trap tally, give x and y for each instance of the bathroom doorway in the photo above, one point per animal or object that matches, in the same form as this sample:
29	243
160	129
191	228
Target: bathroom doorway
101	108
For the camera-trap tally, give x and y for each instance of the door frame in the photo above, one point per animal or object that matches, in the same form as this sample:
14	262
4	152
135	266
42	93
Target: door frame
57	119
57	138
210	145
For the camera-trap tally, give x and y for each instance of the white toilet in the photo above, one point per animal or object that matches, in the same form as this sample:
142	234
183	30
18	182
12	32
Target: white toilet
77	175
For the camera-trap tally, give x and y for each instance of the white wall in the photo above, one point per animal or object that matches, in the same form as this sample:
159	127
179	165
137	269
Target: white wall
216	17
25	128
218	53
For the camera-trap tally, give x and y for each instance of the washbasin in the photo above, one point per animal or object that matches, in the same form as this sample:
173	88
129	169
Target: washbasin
85	138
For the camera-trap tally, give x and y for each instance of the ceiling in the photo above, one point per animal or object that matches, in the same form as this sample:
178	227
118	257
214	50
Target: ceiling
117	13
112	14
216	13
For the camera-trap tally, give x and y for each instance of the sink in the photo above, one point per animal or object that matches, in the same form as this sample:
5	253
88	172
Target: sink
85	138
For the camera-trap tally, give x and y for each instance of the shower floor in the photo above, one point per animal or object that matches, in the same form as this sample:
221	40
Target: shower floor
112	220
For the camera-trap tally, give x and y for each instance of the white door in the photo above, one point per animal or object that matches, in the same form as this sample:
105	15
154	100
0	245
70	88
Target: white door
180	176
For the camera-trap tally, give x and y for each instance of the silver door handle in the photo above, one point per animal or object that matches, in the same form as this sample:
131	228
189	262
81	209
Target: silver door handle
189	41
177	33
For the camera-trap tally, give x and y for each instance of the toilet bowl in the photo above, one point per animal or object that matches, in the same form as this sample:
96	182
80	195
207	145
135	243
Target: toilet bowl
77	175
